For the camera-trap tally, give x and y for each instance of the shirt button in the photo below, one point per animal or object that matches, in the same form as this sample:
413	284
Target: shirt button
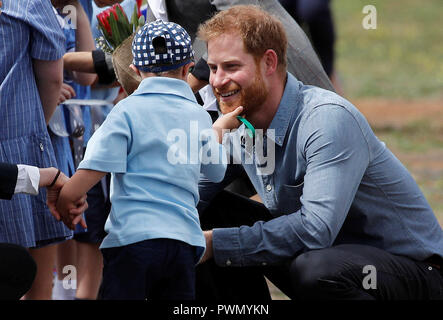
41	147
268	188
264	264
430	268
228	262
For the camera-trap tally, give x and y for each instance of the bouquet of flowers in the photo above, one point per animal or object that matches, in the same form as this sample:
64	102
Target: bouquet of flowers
115	26
117	35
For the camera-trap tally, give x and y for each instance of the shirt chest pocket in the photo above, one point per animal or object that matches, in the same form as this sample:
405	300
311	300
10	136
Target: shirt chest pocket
288	198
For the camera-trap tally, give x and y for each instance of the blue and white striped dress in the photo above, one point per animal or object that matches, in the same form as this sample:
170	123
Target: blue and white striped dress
28	30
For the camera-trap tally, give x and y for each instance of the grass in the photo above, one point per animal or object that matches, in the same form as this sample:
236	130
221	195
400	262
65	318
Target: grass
401	58
416	137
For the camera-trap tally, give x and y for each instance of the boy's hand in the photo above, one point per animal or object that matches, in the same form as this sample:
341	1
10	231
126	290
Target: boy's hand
78	219
75	214
68	211
227	122
71	202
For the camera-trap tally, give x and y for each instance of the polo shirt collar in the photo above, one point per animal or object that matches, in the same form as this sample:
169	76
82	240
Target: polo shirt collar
165	85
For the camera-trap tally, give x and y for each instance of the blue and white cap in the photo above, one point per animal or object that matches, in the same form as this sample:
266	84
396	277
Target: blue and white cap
161	46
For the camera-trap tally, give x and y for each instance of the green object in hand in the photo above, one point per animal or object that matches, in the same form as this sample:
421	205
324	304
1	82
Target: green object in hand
251	131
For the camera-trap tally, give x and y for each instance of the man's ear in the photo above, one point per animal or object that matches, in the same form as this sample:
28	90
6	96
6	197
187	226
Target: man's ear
135	69
270	60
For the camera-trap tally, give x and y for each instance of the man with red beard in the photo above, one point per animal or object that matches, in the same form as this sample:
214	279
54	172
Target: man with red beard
340	215
231	95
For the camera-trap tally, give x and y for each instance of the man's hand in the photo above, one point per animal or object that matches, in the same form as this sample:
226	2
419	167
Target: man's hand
208	253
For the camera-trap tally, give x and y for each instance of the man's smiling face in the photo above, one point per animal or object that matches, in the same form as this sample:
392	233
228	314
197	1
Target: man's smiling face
235	75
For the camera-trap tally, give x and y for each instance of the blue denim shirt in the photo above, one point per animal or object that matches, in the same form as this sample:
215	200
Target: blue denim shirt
333	182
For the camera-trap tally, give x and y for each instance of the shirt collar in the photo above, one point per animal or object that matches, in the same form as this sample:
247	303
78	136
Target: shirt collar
165	85
286	108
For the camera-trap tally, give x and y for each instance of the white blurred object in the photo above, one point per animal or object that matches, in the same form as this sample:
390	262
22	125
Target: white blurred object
60	293
158	8
209	99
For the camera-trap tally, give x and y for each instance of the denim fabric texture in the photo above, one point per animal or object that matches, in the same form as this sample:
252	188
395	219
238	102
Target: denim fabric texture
333	182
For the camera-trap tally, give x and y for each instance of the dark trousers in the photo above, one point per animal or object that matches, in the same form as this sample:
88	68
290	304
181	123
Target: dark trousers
17	271
157	269
348	271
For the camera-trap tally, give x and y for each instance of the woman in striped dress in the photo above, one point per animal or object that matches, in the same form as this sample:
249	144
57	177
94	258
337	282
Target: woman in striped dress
31	48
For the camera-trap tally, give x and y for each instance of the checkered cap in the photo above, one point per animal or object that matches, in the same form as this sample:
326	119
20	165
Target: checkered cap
177	48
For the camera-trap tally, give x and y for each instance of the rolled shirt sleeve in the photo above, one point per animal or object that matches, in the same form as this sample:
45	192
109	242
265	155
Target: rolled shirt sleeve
336	156
28	178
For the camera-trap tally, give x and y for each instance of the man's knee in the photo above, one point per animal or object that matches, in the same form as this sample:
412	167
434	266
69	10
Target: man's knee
331	273
322	274
305	272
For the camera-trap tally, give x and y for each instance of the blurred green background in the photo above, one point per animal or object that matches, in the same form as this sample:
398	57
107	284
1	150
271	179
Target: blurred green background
402	58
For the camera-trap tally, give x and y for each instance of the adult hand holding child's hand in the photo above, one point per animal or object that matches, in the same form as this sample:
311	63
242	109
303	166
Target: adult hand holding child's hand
70	211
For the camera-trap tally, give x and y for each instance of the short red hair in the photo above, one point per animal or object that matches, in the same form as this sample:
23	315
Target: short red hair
258	29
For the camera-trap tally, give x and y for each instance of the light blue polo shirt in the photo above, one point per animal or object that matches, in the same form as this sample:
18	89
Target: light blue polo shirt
156	143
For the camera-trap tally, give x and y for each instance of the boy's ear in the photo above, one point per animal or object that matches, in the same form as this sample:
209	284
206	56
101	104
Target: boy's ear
186	69
134	69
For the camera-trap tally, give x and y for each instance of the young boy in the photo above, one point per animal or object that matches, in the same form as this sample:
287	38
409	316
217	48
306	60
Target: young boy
154	237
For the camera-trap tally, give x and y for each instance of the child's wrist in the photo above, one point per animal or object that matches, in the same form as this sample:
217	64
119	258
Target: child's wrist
219	131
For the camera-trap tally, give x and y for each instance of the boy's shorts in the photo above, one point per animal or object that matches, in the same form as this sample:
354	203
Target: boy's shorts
95	216
156	269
